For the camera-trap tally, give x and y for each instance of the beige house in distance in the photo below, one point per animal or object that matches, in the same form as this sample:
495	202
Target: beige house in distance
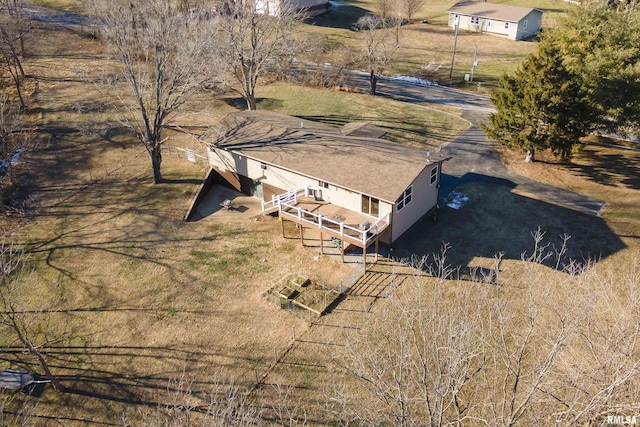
345	182
513	22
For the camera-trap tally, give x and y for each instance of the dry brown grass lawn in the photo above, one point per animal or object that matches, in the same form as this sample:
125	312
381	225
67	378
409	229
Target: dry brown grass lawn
145	294
149	296
495	219
425	48
600	170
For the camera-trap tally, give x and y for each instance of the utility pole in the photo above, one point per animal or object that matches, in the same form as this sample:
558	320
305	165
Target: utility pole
456	24
475	61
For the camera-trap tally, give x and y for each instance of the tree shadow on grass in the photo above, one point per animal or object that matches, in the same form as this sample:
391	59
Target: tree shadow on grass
393	126
611	168
240	103
181	181
496	220
341	15
97	373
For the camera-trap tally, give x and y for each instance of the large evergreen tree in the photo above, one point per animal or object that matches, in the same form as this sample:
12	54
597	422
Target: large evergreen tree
584	77
541	105
600	42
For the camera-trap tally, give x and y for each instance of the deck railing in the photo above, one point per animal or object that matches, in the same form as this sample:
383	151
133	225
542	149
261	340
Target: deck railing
286	203
363	235
288	197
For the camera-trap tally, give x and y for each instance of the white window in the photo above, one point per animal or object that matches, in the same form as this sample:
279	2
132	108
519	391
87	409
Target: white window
405	199
263	166
370	205
434	175
323	184
506	25
475	20
524	25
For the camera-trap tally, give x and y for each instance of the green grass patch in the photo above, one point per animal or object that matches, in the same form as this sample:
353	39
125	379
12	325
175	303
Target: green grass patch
404	123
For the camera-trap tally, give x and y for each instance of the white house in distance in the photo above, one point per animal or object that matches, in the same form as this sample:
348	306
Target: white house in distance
345	182
513	22
308	7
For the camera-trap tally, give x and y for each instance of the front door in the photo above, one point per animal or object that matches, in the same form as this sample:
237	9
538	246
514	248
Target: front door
256	189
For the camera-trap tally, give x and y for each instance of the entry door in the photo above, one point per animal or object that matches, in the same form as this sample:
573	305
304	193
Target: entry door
256	189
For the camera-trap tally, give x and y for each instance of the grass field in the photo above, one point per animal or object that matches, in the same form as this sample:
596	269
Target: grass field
425	48
148	297
404	123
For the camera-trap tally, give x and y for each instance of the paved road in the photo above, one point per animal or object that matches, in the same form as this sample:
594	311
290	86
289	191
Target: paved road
50	16
473	157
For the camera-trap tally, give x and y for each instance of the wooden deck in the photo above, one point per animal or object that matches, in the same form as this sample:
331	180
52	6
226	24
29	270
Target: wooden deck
333	220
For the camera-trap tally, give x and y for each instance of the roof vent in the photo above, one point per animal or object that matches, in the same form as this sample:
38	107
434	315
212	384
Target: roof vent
301	125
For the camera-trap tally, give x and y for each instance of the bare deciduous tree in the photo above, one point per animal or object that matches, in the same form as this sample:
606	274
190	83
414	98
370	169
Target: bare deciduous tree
24	321
547	346
16	410
418	359
411	7
601	369
395	13
224	404
14	26
378	49
385	9
14	139
257	41
165	57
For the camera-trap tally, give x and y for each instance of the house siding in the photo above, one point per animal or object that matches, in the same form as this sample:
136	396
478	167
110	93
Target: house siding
496	26
240	170
515	31
533	19
424	198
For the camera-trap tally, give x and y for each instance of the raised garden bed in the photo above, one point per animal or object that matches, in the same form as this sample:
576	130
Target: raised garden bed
296	291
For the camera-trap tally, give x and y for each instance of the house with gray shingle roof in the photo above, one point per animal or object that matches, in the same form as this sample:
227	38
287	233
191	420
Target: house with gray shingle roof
513	22
347	182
